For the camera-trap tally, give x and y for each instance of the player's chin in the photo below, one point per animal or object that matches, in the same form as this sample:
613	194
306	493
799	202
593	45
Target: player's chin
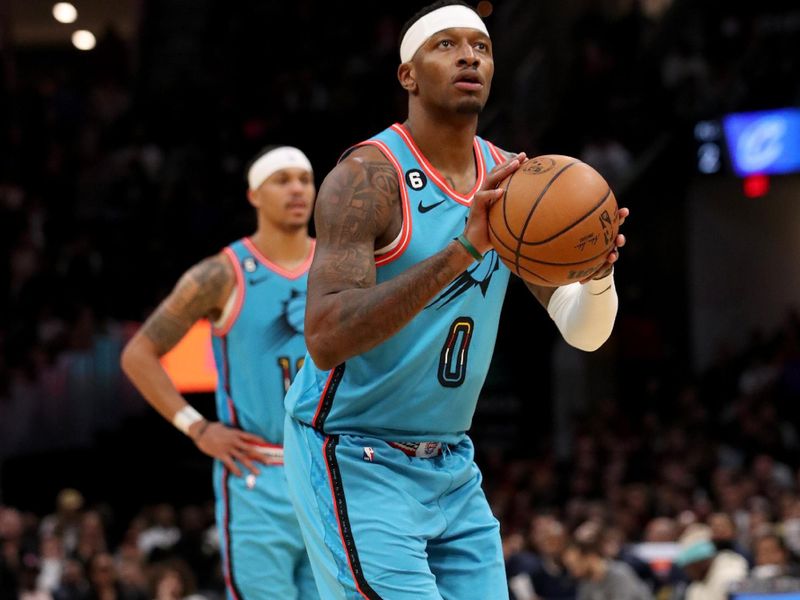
469	106
297	220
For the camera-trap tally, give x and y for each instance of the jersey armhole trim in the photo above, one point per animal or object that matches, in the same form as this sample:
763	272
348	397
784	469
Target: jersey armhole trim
495	152
394	250
224	325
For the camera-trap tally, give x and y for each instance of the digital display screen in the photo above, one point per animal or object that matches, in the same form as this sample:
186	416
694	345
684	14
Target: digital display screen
765	142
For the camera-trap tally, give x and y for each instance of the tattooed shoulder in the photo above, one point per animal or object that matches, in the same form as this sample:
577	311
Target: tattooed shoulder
360	197
200	292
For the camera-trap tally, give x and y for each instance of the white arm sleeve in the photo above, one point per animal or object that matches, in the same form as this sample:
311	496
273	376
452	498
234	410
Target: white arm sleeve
585	313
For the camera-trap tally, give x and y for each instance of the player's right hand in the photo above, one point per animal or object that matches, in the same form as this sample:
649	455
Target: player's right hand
477	229
231	446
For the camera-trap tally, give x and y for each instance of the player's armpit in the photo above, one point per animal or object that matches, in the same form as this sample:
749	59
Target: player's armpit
541	293
200	292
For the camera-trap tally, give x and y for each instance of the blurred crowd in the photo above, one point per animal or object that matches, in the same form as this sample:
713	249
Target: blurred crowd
704	474
85	553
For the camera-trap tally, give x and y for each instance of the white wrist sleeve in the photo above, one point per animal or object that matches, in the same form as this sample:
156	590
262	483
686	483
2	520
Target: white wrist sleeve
186	417
585	313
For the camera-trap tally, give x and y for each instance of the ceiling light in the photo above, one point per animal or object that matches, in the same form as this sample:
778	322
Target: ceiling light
64	12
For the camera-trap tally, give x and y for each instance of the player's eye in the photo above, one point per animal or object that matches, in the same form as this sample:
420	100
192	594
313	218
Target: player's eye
446	43
481	46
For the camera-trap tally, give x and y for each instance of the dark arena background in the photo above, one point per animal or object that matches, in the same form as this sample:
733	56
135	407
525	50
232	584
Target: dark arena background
121	165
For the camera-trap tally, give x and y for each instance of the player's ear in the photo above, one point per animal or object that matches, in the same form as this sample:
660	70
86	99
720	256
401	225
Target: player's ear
252	198
407	77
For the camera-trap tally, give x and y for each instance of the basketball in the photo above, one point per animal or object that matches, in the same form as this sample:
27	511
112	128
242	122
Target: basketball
556	221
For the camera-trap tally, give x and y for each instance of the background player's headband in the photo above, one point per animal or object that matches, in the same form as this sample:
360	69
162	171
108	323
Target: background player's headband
285	157
438	20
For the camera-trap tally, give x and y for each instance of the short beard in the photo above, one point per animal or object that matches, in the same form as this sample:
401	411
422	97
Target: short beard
470	107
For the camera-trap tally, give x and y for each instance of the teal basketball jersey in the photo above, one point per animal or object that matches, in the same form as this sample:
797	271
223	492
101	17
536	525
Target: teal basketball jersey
259	345
422	384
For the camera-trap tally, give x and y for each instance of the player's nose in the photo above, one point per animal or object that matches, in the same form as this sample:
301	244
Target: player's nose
296	186
467	55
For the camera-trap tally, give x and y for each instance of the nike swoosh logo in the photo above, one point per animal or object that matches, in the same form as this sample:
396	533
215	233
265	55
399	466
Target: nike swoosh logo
258	280
423	209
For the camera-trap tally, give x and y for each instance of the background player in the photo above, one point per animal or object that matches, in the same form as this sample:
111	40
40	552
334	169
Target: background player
254	294
401	324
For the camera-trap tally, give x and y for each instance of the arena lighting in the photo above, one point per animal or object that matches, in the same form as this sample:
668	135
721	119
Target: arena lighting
83	39
64	12
755	186
485	8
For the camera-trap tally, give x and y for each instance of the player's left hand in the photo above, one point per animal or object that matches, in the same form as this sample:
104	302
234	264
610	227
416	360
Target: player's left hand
230	445
613	256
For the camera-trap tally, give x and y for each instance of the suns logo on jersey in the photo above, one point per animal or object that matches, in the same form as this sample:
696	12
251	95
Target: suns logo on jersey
290	321
479	275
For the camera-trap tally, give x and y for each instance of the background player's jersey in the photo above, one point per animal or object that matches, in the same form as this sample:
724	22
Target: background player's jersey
259	345
423	382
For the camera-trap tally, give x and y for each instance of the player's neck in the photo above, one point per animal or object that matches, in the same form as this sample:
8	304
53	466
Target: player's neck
287	248
446	143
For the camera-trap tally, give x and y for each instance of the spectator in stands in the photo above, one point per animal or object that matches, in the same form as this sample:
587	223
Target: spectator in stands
598	577
772	558
51	552
74	585
162	534
11	550
724	535
91	537
774	571
28	575
541	574
712	572
173	580
65	522
104	581
615	547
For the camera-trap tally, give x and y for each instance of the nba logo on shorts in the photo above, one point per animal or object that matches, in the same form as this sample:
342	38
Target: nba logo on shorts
369	454
430	449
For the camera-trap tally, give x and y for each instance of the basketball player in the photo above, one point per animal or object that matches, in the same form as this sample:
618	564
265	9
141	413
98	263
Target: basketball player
254	294
404	300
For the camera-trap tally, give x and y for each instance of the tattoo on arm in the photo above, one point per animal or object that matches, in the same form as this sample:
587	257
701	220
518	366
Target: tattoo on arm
353	209
199	293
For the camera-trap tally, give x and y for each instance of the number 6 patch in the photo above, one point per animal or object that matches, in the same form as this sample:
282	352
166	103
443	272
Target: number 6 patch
416	179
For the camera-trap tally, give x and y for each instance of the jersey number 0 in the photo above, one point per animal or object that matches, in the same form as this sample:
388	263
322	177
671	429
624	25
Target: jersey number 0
455	352
285	365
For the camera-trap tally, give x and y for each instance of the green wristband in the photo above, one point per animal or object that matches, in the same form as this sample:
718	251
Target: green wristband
462	239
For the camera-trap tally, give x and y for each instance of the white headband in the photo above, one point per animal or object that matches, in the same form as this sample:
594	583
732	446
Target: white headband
440	19
285	157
